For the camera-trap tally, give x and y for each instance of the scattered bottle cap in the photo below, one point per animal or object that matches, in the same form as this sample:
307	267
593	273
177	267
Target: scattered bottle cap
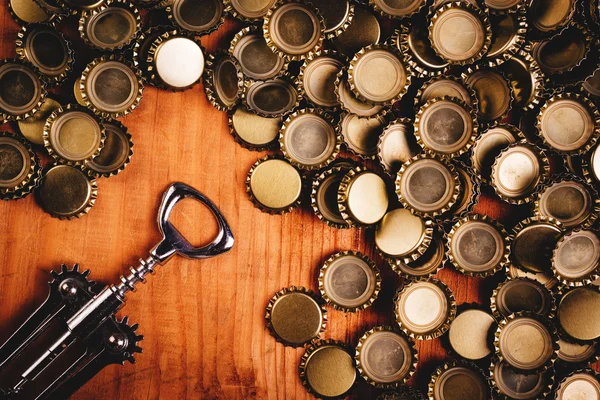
397	144
509	384
273	97
223	81
362	197
522	294
414	41
533	241
364	30
454	381
403	235
337	15
428	263
317	78
116	153
471	333
488	146
442	86
274	185
494	92
324	193
110	27
348	100
574	312
20	168
256	58
582	383
197	16
361	135
33	127
23	93
252	130
249	10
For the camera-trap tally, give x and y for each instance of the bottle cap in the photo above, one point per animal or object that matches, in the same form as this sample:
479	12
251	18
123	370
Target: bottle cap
575	354
272	98
349	281
563	52
22	92
274	185
532	243
77	92
505	6
452	381
310	139
427	264
427	185
478	246
116	153
522	294
378	74
576	311
508	31
592	84
363	30
66	193
470	184
223	81
361	135
526	79
255	57
509	384
425	308
294	44
33	127
317	78
583	384
471	333
47	50
30	12
402	393
327	369
460	33
362	197
81	5
337	15
414	40
246	10
111	26
576	259
110	87
396	145
401	234
493	91
517	171
197	16
403	9
545	278
348	101
446	126
446	85
527	342
141	46
568	123
74	135
295	316
548	16
20	172
55	8
489	144
386	357
251	130
590	165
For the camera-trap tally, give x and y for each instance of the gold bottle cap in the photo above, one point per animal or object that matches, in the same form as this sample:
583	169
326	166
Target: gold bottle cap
580	384
502	5
362	197
19	167
508	31
317	78
299	43
427	264
272	98
470	333
310	139
425	308
401	234
386	357
449	86
348	100
478	246
577	312
274	185
488	146
568	123
427	185
470	184
111	26
526	79
77	92
576	259
33	127
21	91
378	74
509	384
396	145
116	153
251	130
590	165
592	84
337	15
57	9
197	16
493	91
248	10
546	16
575	353
402	393
47	50
110	87
349	281
174	61
327	369
28	12
363	31
545	278
460	33
255	57
517	171
325	188
398	9
414	40
522	294
446	126
533	241
223	81
295	316
66	193
564	51
74	135
361	135
459	380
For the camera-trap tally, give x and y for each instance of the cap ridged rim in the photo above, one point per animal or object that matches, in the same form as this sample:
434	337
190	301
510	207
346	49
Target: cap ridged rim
319	178
382	116
401	120
170	8
401	38
53	19
472	70
548	376
332	33
385	14
428	232
31	180
208	80
94	174
538	78
587	363
476	181
86	16
519	11
337	56
413	393
380	110
438	233
513	130
547	292
587	371
4	115
137	44
456	364
588	279
342	196
231	10
288	79
236	137
421	90
59	11
534	220
587	168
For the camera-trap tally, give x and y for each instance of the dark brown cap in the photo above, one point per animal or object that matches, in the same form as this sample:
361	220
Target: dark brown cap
116	153
197	16
396	145
111	26
142	45
522	294
545	278
248	10
317	78
223	80
362	197
274	185
403	235
493	91
563	52
414	40
547	16
512	385
428	263
402	393
488	146
446	85
252	130
471	333
81	5
526	79
403	9
454	381
33	127
470	184
272	98
337	15
592	84
576	313
363	31
508	31
576	259
30	12
532	242
361	135
22	92
256	58
590	165
583	384
19	167
325	190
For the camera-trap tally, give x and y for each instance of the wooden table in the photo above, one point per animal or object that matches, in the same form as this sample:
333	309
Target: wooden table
203	321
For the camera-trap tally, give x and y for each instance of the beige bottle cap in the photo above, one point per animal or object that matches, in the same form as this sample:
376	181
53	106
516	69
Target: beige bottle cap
274	185
272	98
570	201
470	333
197	16
575	353
533	241
401	234
348	100
256	58
493	91
582	384
502	5
364	30
427	264
22	91
522	294
452	381
112	26
576	311
317	78
396	145
576	258
545	278
33	127
592	84
252	130
361	135
444	86
249	9
488	146
116	153
362	197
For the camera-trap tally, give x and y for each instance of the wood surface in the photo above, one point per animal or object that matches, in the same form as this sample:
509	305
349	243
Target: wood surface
203	321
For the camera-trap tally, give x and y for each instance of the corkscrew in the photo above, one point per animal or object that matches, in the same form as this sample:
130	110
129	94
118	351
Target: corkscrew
74	334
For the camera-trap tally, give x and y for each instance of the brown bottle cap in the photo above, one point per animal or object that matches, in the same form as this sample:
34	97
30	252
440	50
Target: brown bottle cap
592	84
386	357
470	184
402	393
425	308
460	33
249	9
81	5
508	31
197	16
397	144
111	87
546	16
400	234
361	135
74	135
33	127
363	31
398	9
141	46
255	57
576	259
251	130
19	167
378	74
513	385
522	294
576	353
77	92
28	12
295	316
427	264
567	123
446	126
337	15
441	86
116	153
310	138
348	100
21	91
580	384
576	313
545	278
274	185
327	369
349	281
478	246
502	5
223	81
362	197
325	190
272	98
570	201
112	26
317	78
526	79
564	51
488	146
47	50
66	193
533	241
591	165
471	333
493	91
414	40
458	381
